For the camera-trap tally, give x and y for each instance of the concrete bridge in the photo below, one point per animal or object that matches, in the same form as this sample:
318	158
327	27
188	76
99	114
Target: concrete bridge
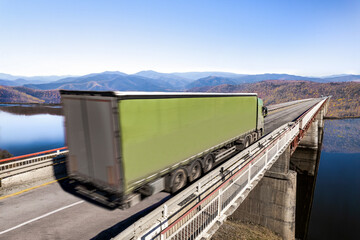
270	183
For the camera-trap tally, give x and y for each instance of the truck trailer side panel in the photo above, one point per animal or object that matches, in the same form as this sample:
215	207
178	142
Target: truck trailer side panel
158	133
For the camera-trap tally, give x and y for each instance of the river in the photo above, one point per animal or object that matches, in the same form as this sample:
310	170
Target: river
335	212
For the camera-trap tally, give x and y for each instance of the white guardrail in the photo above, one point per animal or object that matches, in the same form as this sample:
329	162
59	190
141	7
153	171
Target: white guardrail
17	165
194	211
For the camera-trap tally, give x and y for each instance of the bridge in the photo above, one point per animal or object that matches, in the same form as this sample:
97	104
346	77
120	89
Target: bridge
259	185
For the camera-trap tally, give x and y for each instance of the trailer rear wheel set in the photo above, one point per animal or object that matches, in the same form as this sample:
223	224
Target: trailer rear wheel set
178	178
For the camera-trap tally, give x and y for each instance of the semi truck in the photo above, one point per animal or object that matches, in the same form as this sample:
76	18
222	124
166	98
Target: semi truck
126	143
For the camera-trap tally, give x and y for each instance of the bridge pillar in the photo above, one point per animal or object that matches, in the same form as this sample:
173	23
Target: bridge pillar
305	161
304	158
282	199
272	203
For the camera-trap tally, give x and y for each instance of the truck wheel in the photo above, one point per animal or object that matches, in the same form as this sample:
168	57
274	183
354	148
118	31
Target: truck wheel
208	162
178	180
194	170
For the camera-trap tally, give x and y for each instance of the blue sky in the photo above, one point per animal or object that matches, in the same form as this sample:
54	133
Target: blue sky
312	38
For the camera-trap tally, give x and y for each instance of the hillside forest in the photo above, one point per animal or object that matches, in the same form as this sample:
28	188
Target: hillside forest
344	103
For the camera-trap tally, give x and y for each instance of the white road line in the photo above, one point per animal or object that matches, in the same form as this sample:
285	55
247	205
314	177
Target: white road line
42	216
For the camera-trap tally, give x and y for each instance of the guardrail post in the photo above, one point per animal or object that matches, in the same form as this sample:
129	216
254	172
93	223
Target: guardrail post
165	211
219	202
249	176
58	152
266	156
199	188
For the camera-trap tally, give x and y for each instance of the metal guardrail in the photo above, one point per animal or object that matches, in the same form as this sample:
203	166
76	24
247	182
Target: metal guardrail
191	213
28	162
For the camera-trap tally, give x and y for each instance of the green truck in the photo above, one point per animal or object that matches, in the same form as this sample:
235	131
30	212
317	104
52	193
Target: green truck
126	142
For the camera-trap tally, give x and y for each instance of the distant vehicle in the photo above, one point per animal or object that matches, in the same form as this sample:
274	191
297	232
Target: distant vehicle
122	143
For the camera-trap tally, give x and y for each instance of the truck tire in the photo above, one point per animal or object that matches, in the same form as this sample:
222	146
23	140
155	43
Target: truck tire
178	180
194	170
208	162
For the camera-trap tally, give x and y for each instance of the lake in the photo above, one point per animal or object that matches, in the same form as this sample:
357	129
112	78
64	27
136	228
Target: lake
335	211
27	129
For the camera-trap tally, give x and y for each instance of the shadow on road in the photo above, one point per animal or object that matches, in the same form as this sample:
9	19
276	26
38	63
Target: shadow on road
67	185
121	226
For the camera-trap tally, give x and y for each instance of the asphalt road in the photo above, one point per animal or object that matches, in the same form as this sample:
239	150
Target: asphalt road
281	116
53	211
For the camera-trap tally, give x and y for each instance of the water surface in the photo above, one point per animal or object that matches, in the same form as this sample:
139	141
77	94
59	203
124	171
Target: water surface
336	207
28	129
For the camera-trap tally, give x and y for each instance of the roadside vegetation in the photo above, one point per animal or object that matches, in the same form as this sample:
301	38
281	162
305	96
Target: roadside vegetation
5	154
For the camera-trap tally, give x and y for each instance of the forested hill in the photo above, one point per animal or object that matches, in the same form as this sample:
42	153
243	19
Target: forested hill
345	101
28	95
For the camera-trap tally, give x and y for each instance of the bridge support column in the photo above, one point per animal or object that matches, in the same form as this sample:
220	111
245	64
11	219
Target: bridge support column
304	158
272	203
305	161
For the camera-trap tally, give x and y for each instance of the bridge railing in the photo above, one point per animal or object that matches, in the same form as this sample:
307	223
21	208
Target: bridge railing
201	216
15	165
212	197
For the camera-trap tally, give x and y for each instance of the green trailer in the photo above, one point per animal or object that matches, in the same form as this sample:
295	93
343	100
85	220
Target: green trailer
123	142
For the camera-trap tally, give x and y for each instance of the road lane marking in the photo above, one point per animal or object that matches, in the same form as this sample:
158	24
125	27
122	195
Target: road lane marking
40	217
28	189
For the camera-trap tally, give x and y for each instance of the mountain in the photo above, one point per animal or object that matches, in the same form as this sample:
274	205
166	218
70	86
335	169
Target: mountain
343	103
155	81
197	75
8	76
20	80
105	82
17	82
177	82
27	95
344	78
211	81
7	83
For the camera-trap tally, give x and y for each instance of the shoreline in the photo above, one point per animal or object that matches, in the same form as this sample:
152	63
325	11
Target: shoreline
339	118
39	104
60	105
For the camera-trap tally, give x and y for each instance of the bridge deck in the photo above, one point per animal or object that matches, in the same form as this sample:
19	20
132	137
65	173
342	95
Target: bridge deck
51	212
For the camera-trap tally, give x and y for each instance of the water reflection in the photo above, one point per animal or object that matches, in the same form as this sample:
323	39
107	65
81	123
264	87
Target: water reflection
26	130
29	110
342	136
336	211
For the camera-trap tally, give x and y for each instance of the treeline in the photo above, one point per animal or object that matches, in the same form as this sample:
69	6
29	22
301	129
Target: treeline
5	154
28	95
345	101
